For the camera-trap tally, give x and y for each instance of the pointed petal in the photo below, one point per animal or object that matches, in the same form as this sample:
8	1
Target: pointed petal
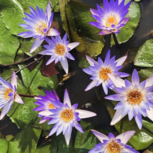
118	82
91	85
91	61
124	137
104	32
68	135
6	109
78	126
138	119
135	77
64	65
121	60
18	99
45	113
149	81
118	116
100	136
67	98
73	45
36	44
85	114
48	10
150	113
125	20
53	32
14	80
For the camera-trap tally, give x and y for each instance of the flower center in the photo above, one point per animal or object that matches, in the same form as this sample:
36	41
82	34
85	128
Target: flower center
103	73
51	106
6	93
134	97
67	115
40	28
111	20
113	147
60	49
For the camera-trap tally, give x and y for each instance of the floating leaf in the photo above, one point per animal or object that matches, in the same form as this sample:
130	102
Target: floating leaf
79	16
145	54
83	63
33	3
8	45
25	141
127	31
26	45
62	4
3	145
142	138
12	14
86	141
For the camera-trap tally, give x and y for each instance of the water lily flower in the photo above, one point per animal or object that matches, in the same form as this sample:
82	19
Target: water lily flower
112	18
66	117
112	144
135	98
100	70
59	49
39	25
8	94
47	102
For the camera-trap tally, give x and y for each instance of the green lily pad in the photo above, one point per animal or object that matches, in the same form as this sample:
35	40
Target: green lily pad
25	141
86	141
83	63
33	3
8	45
127	31
79	16
142	138
144	55
145	73
62	5
26	45
12	14
3	145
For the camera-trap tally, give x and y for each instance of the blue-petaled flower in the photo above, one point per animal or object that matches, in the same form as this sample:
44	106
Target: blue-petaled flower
112	18
39	25
59	49
100	70
135	98
112	144
47	102
8	95
66	117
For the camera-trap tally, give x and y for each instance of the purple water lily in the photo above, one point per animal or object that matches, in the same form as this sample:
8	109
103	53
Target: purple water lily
111	18
8	95
47	102
59	49
135	98
39	25
100	70
112	144
66	117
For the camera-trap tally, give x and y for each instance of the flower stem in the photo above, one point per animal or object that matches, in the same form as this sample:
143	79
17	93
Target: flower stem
115	40
30	96
39	59
19	61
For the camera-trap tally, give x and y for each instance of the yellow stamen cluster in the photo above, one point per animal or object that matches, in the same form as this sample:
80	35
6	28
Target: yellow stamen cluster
6	92
113	147
134	97
51	106
67	115
60	49
103	73
111	20
41	27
